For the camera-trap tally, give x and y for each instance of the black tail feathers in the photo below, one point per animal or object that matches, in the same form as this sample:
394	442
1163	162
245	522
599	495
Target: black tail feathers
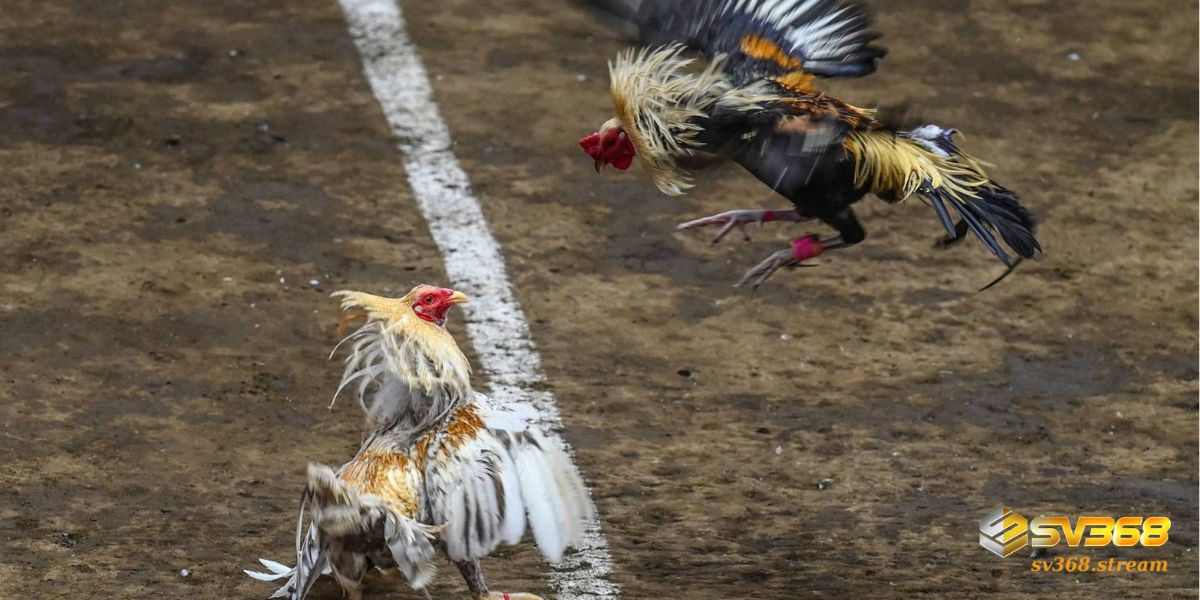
987	209
1001	209
994	210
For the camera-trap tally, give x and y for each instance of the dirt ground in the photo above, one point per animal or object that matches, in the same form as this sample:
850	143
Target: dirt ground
185	183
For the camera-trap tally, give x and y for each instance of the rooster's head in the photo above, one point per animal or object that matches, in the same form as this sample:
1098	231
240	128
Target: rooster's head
427	302
431	303
609	146
419	351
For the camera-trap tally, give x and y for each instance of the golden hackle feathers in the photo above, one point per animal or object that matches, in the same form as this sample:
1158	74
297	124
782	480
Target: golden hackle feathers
655	99
377	307
891	164
421	354
658	101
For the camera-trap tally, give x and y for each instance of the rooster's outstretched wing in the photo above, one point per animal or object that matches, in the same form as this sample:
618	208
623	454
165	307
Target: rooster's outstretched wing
761	38
493	475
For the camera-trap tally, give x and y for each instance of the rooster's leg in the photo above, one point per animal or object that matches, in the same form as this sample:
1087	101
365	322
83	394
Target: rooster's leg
803	248
728	220
349	568
473	573
850	232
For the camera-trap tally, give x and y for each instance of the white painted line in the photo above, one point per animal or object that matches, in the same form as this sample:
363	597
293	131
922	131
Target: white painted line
495	322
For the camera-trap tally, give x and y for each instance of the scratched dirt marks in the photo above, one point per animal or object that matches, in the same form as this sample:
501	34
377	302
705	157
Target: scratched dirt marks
838	433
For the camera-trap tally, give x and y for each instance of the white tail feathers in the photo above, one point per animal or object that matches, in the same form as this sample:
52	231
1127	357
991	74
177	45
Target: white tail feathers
555	498
277	571
310	563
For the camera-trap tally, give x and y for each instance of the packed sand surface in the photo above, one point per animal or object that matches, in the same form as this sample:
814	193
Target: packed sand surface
186	183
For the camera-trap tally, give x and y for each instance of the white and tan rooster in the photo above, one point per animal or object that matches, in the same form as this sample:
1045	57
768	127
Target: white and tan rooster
444	467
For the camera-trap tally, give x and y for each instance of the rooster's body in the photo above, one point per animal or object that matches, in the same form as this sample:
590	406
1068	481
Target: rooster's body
443	468
757	104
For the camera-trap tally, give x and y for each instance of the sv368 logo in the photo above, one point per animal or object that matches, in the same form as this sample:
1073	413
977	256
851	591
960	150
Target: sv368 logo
1004	532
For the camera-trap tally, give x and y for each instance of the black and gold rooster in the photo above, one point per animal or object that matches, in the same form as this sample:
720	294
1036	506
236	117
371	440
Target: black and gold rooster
755	101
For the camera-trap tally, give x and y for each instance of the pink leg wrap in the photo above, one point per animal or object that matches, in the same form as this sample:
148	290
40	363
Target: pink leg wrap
809	246
768	216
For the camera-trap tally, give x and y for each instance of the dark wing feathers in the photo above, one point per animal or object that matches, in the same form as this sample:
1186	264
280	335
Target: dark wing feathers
762	38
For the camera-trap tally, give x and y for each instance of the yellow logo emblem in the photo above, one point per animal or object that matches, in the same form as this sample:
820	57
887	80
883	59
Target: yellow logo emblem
1003	532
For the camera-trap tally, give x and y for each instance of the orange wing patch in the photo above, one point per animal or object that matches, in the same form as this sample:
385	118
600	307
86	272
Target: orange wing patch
756	46
464	426
797	82
384	474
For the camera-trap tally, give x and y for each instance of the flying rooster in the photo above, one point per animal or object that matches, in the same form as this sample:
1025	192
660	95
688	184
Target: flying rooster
445	467
756	102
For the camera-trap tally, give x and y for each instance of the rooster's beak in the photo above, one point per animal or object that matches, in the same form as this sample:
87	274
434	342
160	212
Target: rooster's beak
456	298
600	165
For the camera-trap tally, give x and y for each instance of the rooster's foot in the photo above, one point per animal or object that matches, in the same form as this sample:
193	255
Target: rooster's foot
730	219
803	248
